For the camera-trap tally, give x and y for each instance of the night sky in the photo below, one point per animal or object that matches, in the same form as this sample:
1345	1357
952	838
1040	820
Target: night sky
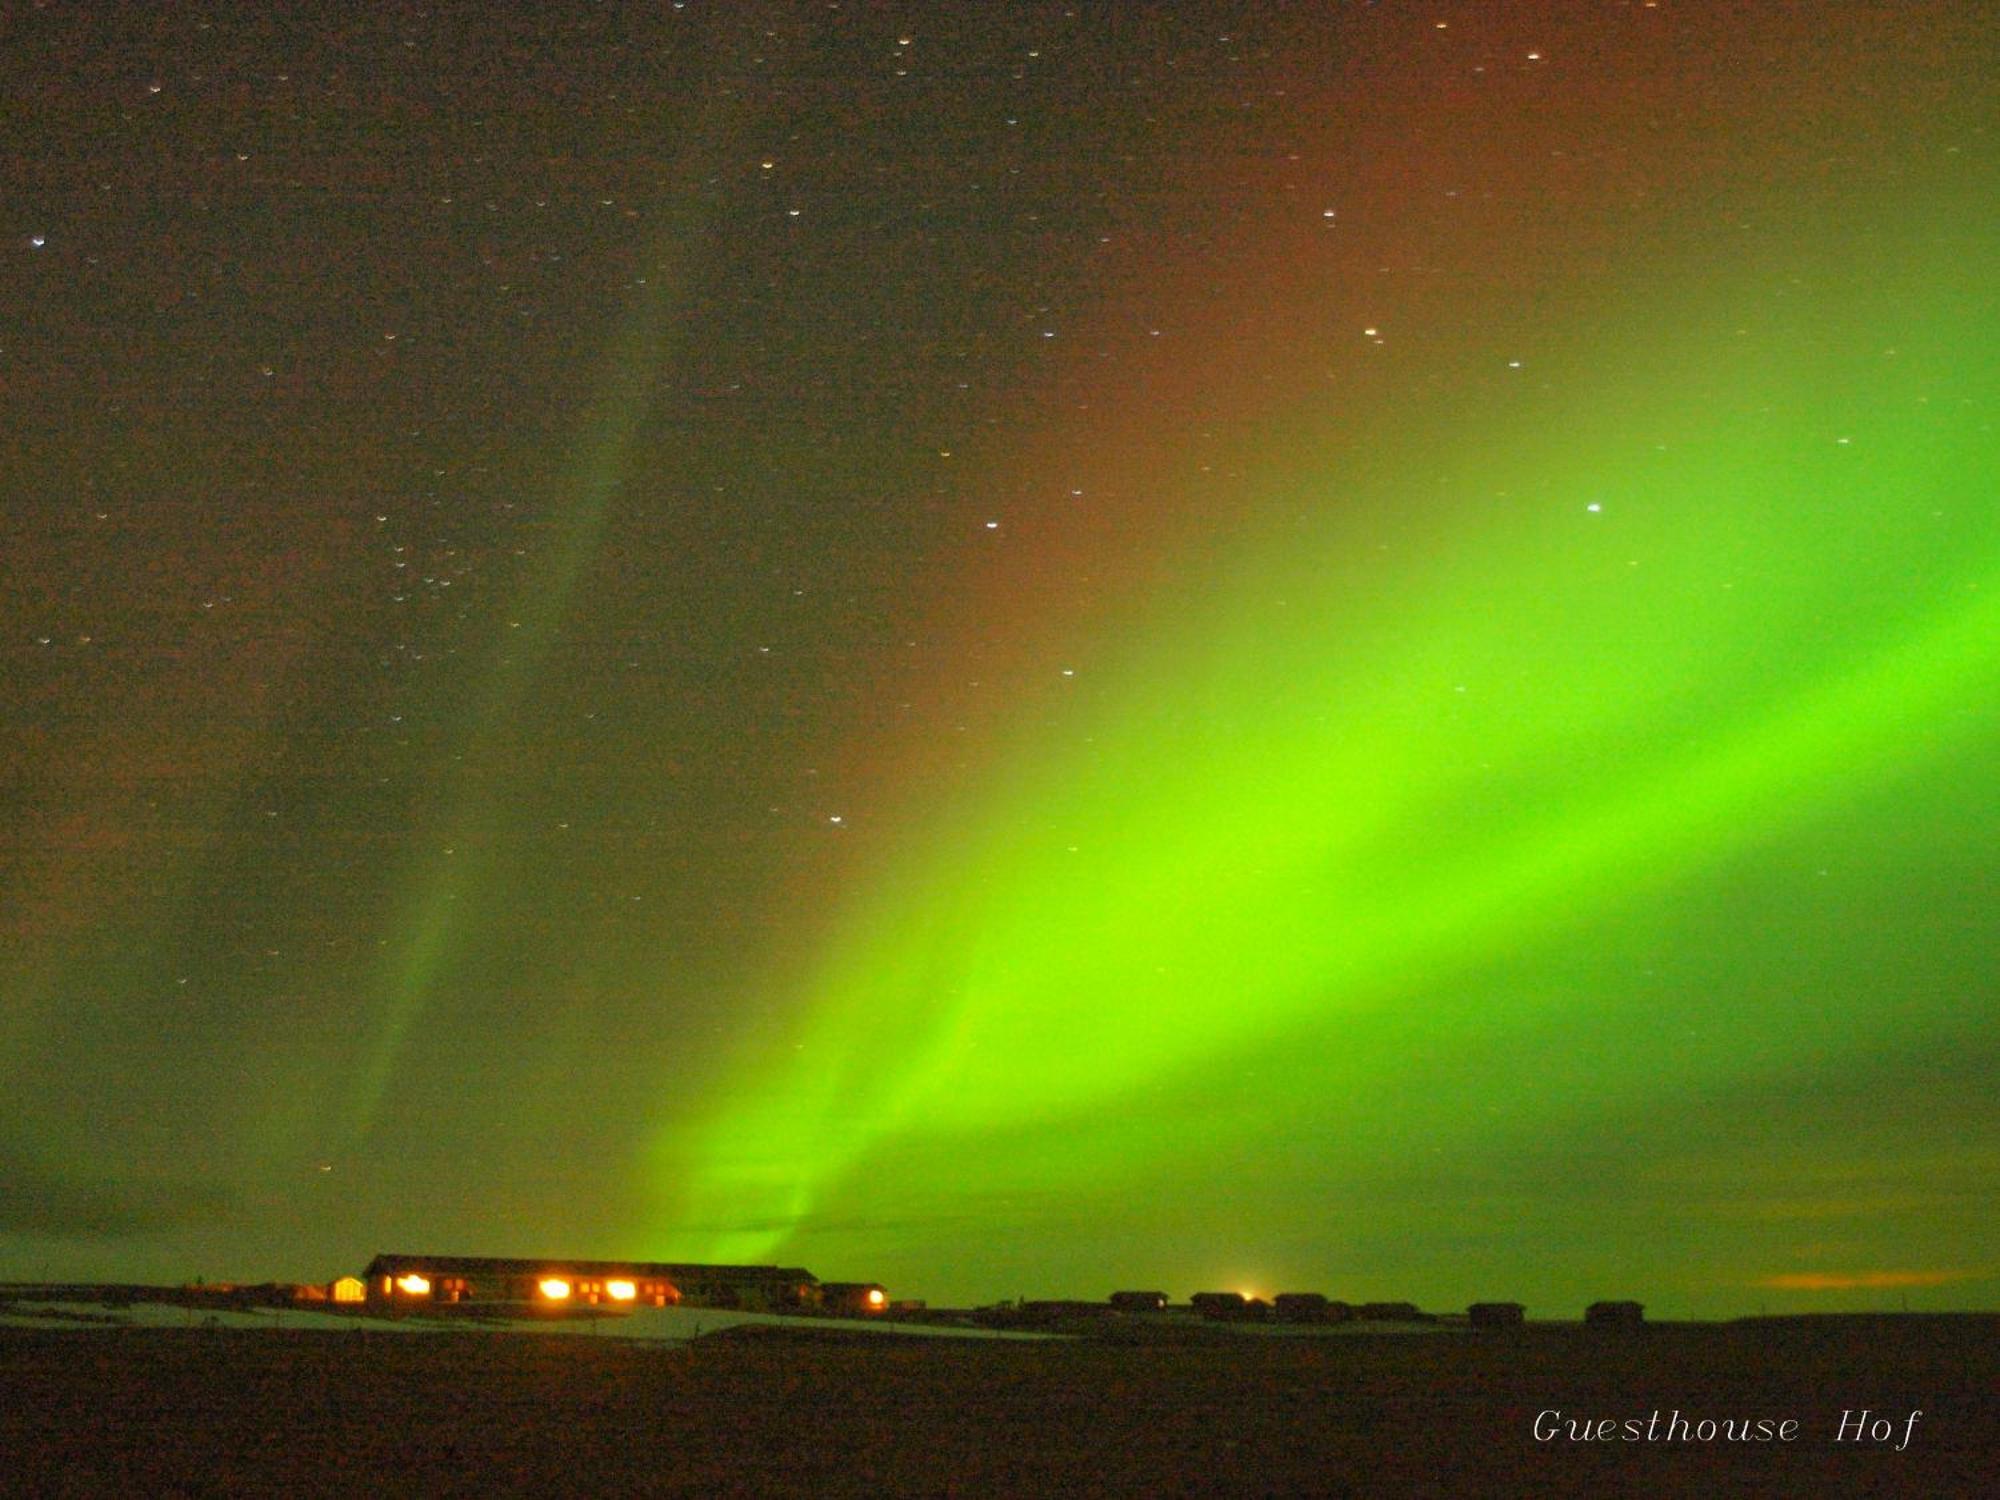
1006	648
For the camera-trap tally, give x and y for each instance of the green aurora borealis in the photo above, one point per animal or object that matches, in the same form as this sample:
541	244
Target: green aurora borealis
1388	684
1276	880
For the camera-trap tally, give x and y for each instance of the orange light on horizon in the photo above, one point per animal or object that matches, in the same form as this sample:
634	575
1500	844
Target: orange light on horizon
877	1297
621	1291
554	1288
1827	1281
415	1285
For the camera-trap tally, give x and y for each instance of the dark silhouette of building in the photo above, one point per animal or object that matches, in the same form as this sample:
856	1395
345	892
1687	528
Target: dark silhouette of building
1615	1314
1496	1315
1390	1312
1131	1302
1309	1307
1231	1306
853	1299
556	1284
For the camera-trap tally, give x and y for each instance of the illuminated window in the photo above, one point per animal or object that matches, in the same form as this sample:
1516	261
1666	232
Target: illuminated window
414	1284
621	1291
554	1288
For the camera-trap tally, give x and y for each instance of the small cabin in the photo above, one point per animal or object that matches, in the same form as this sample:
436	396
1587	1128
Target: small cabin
1615	1314
1138	1302
1229	1306
1301	1307
853	1299
1390	1312
1496	1315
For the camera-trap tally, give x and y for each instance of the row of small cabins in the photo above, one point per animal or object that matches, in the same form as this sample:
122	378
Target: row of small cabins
1310	1307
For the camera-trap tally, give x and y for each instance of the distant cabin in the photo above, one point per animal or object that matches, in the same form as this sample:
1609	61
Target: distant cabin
1138	1302
1229	1306
1496	1315
558	1285
349	1290
1615	1314
853	1299
1389	1312
1302	1307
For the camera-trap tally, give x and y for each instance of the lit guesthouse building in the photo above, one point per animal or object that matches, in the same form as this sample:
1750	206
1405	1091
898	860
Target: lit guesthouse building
427	1282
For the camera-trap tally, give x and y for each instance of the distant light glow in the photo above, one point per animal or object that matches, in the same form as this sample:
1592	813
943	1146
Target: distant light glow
554	1288
1835	1281
415	1285
621	1291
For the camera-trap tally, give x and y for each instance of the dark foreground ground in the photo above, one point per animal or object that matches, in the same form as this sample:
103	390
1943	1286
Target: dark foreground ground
207	1412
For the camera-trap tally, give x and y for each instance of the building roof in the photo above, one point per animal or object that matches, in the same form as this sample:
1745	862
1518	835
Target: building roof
492	1265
